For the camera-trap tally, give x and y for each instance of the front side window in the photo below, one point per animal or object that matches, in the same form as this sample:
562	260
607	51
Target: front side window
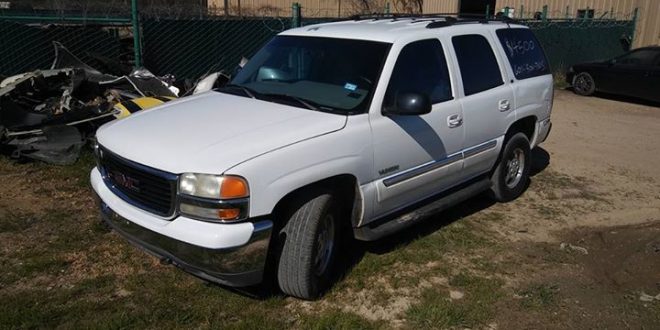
326	74
524	52
477	62
420	68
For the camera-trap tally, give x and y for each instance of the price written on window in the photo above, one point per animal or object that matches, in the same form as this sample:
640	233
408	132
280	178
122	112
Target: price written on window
524	53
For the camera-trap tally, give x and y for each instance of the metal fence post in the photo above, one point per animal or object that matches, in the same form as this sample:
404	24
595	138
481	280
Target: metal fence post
295	19
137	42
567	13
387	7
634	29
522	11
544	14
487	11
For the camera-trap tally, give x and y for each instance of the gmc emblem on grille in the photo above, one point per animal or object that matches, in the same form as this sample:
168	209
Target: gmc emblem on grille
125	181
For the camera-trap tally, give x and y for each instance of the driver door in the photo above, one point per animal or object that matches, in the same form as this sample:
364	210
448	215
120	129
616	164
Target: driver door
416	156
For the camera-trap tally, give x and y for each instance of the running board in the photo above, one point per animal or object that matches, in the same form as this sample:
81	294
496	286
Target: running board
391	224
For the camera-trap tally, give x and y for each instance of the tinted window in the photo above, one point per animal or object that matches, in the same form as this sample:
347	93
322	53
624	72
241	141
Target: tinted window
524	53
421	68
639	57
477	62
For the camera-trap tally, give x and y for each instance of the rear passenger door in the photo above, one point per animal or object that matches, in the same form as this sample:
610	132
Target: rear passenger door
486	99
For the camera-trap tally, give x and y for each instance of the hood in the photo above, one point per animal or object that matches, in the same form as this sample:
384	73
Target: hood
211	132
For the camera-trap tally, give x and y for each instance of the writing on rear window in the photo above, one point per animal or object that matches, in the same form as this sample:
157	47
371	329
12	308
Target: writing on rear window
524	53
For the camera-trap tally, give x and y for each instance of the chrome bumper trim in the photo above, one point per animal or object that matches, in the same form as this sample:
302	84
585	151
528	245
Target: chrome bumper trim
239	266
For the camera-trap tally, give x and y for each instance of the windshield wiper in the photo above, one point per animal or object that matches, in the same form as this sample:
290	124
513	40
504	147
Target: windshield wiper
247	90
311	105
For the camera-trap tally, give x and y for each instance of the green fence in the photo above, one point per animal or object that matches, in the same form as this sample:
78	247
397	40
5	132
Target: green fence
28	45
567	42
191	47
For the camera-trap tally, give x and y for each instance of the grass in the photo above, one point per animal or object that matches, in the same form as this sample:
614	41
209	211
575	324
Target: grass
559	79
437	311
336	319
61	269
539	296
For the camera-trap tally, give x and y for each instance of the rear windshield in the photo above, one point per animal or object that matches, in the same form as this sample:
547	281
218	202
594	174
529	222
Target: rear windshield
524	53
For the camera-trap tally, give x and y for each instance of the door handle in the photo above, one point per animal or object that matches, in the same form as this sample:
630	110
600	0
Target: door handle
454	121
504	105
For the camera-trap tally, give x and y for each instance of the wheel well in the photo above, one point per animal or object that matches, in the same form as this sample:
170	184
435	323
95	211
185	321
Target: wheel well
344	186
525	125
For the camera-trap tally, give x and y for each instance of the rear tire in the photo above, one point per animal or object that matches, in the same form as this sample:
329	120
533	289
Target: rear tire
584	84
308	256
511	175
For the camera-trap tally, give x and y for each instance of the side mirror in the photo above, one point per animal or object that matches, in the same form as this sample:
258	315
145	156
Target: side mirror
409	104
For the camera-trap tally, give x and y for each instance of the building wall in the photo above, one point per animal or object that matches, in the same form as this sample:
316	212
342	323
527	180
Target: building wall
326	8
647	33
648	24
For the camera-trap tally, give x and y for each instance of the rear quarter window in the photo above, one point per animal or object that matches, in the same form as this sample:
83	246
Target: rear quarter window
524	52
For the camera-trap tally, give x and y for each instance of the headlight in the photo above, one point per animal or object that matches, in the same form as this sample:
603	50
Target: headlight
213	197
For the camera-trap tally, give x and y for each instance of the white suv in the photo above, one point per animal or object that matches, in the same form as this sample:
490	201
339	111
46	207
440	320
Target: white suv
355	128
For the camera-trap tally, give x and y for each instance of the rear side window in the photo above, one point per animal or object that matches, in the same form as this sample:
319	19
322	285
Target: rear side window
421	68
524	53
477	62
639	57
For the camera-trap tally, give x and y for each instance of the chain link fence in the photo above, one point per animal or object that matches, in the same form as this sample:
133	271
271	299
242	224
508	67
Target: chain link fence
26	46
567	42
189	46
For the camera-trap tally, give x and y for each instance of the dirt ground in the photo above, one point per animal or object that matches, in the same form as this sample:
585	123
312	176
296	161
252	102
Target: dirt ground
580	249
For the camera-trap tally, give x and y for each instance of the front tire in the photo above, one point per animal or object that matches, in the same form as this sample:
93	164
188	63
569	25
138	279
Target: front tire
584	84
308	254
510	177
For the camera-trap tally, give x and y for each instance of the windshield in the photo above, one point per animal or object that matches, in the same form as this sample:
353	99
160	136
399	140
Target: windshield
325	74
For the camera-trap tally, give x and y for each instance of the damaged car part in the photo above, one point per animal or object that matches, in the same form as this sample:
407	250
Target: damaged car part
59	145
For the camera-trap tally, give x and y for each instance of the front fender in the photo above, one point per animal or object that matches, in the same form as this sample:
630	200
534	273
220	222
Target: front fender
274	175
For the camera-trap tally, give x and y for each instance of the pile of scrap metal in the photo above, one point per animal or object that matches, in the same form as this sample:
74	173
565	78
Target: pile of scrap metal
48	115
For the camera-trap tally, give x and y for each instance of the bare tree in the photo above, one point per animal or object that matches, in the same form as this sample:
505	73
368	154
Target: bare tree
366	6
409	6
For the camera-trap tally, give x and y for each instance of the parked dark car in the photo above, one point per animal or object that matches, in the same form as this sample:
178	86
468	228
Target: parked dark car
635	74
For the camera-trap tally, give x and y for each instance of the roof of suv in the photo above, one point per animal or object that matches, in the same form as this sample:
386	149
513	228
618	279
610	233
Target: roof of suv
386	30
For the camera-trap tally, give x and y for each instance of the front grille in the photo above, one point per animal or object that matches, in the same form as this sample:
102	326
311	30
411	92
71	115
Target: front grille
145	187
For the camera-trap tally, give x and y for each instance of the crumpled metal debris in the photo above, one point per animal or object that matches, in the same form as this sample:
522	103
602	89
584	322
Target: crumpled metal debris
59	145
35	106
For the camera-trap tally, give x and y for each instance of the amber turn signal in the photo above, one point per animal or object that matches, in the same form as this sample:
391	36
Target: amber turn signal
228	214
233	187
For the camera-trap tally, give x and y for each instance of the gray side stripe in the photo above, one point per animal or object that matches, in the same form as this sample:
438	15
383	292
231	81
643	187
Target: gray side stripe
480	148
439	163
421	170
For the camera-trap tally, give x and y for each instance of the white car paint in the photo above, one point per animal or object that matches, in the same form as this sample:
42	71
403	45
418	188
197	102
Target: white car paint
199	233
280	148
210	132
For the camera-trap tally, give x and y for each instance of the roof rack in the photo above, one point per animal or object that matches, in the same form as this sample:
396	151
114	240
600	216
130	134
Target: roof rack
396	16
454	21
447	19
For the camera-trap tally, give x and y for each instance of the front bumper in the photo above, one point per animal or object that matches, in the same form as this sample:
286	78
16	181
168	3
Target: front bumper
232	265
